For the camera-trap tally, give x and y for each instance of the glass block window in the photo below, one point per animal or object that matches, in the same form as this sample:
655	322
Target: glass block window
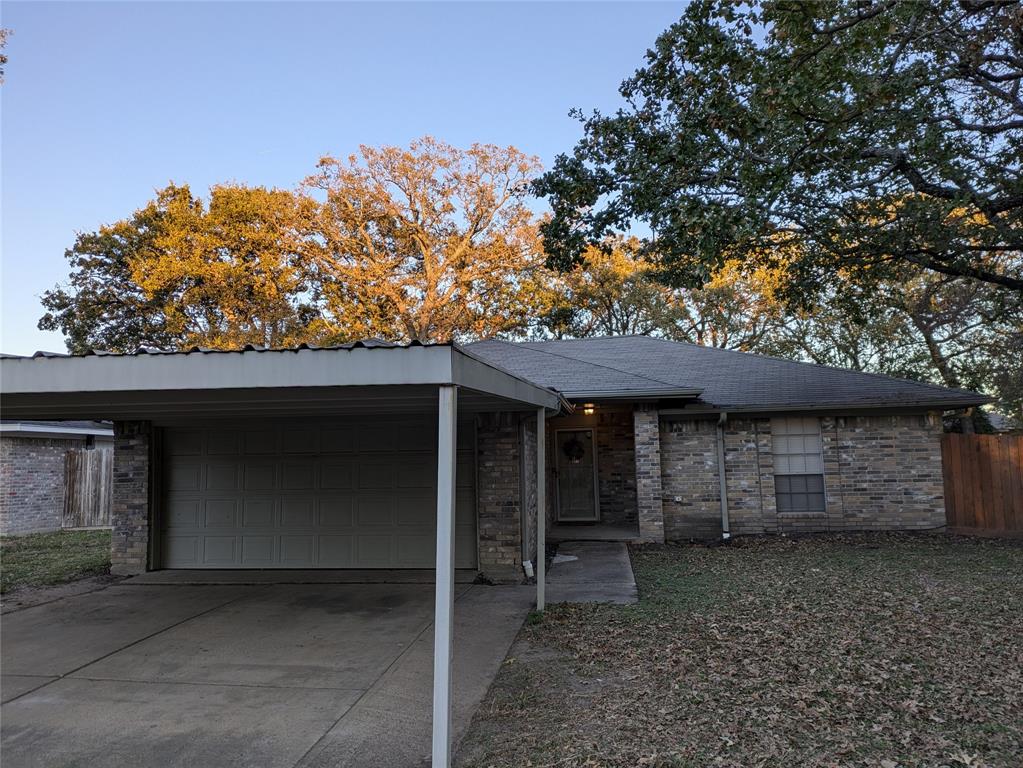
798	464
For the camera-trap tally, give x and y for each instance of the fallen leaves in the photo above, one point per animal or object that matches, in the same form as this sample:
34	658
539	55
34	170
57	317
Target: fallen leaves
871	650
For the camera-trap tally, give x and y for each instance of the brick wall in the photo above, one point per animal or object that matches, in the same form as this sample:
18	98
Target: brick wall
616	467
647	440
883	472
689	480
880	472
129	545
32	483
527	440
498	440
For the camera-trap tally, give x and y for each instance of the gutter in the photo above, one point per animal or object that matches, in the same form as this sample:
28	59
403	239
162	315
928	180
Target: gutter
631	394
836	408
726	532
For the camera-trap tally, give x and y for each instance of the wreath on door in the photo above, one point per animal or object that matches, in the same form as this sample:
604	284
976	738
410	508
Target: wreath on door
574	450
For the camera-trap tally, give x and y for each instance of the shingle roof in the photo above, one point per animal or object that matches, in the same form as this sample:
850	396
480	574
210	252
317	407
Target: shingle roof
727	379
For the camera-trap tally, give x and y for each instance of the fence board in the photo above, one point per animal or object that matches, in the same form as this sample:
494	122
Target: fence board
983	483
88	484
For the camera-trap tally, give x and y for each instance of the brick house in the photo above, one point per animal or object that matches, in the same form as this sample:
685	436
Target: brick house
377	456
326	457
32	470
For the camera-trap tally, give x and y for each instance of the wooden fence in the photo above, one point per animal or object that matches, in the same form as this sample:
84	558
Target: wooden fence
88	482
983	484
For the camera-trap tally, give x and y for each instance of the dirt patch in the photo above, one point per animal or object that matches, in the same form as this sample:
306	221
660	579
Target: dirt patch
867	650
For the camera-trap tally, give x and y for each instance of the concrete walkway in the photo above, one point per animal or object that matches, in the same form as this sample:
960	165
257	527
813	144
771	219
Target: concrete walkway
601	573
242	675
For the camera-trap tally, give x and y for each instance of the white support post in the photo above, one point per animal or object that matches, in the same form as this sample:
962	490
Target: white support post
541	510
443	620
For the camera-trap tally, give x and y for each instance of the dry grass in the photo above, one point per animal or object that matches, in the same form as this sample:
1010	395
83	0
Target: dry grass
52	558
866	650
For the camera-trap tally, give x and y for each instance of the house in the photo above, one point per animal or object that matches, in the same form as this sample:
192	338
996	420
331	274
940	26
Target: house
33	467
379	456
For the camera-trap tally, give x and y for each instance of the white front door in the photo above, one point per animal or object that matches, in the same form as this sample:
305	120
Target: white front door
576	465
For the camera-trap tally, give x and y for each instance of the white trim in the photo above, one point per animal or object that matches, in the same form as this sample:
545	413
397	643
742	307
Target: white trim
20	429
38	387
444	611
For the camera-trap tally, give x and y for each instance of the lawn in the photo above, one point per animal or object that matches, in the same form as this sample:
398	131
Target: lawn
866	650
52	558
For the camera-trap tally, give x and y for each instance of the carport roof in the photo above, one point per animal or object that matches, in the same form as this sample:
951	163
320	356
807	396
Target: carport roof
359	377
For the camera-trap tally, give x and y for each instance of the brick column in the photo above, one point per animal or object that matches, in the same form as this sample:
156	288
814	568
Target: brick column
499	497
647	434
129	544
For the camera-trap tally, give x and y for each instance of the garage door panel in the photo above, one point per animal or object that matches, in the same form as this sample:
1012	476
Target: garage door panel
184	443
335	512
181	513
337	473
336	551
183	551
298	476
298	551
376	474
301	496
260	477
257	551
414	549
221	513
300	441
374	510
373	549
259	441
219	550
221	476
337	439
258	513
298	513
184	475
222	442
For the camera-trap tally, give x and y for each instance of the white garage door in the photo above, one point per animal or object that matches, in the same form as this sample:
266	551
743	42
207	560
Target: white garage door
340	494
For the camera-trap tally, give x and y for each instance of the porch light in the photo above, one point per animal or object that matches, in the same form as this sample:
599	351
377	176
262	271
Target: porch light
588	409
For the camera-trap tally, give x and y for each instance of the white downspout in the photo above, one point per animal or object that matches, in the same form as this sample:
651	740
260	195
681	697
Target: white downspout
726	532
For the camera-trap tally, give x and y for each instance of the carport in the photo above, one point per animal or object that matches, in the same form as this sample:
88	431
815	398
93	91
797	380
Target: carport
358	383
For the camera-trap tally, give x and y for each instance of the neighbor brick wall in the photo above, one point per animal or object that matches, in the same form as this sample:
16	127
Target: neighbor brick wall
498	464
880	472
647	439
130	512
32	483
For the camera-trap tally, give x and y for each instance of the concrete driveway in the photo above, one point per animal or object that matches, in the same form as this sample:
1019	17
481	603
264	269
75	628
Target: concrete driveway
242	675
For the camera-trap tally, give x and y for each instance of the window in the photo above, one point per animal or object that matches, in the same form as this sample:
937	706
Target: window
798	465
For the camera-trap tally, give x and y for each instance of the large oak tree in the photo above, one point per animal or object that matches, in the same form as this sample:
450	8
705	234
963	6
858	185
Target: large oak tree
878	134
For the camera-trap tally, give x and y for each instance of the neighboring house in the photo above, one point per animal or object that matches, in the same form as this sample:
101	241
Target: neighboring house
33	463
327	457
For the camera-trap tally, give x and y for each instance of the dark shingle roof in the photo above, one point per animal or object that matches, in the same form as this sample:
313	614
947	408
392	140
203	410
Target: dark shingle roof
728	380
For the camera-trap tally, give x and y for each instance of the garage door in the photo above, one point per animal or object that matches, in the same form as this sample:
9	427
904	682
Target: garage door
344	494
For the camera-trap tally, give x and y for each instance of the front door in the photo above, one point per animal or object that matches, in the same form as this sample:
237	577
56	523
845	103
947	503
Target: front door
577	476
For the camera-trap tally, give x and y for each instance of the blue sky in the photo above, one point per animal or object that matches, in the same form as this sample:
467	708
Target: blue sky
105	102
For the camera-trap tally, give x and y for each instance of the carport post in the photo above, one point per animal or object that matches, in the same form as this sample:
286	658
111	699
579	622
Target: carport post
541	510
443	619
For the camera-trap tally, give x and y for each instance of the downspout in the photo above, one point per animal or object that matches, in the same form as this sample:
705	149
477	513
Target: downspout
726	532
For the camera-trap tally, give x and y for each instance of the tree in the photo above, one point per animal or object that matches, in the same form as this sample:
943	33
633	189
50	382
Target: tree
428	243
180	273
615	291
877	135
4	34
